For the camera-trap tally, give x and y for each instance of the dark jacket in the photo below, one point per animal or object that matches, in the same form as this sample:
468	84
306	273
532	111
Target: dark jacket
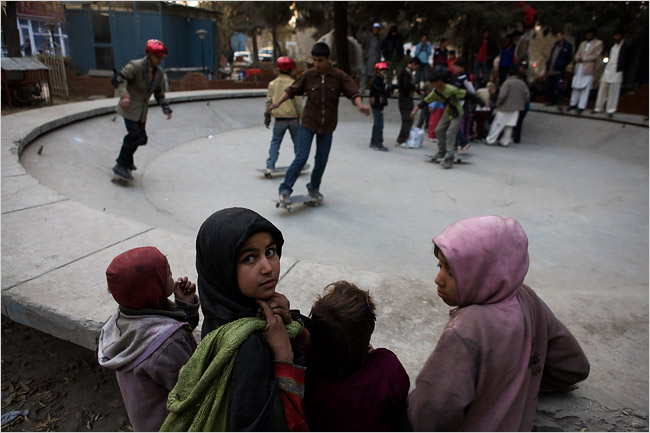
320	114
563	58
392	47
405	83
379	91
440	56
625	63
134	80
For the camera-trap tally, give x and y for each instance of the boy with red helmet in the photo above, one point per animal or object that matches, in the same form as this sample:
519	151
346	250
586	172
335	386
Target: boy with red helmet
287	115
135	84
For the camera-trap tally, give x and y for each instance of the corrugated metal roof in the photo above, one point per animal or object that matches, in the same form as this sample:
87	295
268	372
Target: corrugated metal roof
22	64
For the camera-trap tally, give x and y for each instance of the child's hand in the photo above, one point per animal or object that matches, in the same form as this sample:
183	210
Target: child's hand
276	335
279	304
184	290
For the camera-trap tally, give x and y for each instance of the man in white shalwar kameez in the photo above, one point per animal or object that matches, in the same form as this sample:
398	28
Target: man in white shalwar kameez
512	98
583	76
610	83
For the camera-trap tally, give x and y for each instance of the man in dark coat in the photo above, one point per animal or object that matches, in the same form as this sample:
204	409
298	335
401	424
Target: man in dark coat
561	56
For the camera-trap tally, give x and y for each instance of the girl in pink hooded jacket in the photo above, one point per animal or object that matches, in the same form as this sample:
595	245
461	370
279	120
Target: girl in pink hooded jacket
502	344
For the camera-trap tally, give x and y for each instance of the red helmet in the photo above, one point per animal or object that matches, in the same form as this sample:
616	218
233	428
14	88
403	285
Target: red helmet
381	65
285	63
155	47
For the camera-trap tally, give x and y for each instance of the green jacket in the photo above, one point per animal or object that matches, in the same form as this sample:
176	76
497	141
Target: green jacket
453	94
199	400
134	80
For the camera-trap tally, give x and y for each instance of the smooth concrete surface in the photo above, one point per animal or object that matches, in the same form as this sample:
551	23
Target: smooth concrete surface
579	187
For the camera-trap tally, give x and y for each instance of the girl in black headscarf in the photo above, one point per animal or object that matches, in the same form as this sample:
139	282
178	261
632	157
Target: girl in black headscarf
238	263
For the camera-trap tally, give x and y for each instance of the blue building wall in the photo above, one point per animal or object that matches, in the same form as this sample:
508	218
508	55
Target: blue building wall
130	32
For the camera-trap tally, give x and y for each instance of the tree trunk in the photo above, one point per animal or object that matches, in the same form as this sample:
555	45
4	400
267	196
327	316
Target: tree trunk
277	49
254	56
10	30
341	35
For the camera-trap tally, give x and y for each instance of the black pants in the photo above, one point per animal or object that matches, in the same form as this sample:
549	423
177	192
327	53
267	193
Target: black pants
136	136
405	108
554	88
516	133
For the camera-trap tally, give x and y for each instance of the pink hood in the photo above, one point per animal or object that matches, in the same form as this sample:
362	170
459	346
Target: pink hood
488	257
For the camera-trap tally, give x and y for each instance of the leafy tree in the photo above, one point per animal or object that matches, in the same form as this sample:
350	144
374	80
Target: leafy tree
276	15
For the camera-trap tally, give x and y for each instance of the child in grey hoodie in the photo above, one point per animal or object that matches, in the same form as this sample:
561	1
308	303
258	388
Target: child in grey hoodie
149	338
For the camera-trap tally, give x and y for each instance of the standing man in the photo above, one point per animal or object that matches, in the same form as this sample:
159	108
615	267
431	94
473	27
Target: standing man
440	57
513	95
618	66
406	86
423	50
135	84
486	51
392	48
371	55
323	84
587	55
561	55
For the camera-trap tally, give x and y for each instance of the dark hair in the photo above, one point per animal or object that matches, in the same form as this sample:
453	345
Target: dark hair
342	322
517	33
415	60
592	30
513	70
320	49
619	31
438	77
460	62
443	40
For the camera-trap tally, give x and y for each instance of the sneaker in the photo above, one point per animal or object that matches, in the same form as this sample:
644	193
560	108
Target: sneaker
465	148
269	170
284	199
504	144
438	157
398	144
121	171
580	110
572	107
380	147
610	115
447	162
313	193
434	140
132	167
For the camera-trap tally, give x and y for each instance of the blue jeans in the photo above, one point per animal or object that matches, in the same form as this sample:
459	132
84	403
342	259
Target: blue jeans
481	69
377	138
422	74
279	127
303	147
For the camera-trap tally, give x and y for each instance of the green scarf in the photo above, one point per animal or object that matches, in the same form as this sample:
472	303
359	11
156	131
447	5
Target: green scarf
199	400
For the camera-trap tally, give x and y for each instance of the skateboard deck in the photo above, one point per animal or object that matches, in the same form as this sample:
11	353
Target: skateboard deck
281	171
296	200
457	159
119	180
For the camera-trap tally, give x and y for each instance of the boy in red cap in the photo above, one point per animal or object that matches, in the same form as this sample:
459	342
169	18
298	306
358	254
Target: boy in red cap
149	338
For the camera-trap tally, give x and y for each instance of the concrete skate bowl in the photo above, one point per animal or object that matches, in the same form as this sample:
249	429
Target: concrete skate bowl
574	184
578	186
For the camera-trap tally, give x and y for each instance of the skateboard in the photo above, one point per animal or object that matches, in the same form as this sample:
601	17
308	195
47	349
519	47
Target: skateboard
457	159
119	180
298	199
281	171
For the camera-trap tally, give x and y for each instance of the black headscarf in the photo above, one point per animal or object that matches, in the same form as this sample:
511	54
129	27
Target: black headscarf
217	248
254	402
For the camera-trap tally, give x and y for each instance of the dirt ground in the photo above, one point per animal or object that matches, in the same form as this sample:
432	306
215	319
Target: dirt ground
60	383
65	389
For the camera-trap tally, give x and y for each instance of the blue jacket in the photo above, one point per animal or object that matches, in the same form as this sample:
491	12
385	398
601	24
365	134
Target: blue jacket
563	58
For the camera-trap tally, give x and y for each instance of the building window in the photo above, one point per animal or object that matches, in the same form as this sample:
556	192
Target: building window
104	58
102	29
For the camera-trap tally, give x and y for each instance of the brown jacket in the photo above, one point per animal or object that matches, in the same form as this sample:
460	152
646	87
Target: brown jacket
589	57
134	81
320	114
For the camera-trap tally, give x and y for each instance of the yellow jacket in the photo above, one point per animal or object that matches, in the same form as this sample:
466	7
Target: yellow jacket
291	108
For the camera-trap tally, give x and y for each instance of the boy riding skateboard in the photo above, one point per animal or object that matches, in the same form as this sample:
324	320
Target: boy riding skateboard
323	84
135	84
